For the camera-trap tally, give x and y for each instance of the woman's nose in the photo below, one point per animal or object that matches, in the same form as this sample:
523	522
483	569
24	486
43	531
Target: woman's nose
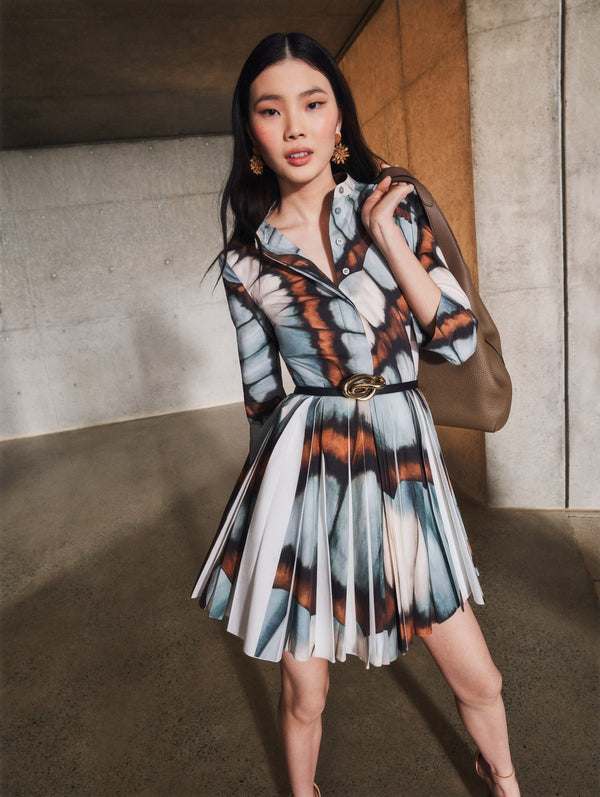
293	129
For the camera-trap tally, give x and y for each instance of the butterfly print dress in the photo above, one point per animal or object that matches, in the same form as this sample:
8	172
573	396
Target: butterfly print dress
342	534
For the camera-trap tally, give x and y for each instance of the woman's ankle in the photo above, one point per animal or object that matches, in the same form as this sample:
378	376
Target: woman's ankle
499	784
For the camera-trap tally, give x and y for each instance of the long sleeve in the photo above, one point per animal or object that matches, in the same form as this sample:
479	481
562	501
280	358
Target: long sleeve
258	354
455	334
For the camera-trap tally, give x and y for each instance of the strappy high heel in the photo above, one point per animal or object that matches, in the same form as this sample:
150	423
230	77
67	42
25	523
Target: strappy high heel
495	774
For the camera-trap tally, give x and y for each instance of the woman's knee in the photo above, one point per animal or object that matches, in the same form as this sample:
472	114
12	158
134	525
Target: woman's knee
483	688
306	708
304	697
461	653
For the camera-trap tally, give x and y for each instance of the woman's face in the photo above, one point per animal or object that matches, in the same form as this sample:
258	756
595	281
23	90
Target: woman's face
293	119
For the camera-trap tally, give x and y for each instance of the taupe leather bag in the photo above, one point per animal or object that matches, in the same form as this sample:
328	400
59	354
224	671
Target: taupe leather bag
478	393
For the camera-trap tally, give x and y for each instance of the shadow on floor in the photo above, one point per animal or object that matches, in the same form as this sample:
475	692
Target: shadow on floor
114	682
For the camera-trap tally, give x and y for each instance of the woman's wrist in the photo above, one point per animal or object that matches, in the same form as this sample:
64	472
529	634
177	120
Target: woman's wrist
390	240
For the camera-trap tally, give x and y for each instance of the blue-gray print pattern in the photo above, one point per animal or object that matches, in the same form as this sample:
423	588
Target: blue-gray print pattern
342	534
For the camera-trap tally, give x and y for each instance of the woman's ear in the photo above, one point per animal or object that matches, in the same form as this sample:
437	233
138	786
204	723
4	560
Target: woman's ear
338	127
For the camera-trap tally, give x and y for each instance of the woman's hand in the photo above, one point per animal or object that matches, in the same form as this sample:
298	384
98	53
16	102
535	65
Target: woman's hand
378	212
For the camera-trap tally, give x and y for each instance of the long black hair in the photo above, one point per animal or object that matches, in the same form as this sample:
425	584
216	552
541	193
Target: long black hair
250	196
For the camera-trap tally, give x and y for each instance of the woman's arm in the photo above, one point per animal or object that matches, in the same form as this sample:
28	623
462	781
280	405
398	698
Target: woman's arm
420	291
258	355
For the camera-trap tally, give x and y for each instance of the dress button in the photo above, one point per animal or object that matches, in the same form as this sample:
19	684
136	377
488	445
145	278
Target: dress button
345	271
339	241
341	189
337	210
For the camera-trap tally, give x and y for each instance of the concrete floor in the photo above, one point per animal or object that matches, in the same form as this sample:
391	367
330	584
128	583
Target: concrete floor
115	683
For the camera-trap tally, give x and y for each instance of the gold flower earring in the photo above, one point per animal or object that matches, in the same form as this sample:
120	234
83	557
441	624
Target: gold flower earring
257	164
340	152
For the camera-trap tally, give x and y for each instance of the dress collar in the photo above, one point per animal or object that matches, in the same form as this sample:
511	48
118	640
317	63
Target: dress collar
276	242
341	178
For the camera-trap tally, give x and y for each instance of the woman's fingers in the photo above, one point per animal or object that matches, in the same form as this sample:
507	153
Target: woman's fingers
382	187
397	189
379	208
386	196
376	195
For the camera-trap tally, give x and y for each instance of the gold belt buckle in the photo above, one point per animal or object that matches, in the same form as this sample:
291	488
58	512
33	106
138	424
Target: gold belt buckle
361	386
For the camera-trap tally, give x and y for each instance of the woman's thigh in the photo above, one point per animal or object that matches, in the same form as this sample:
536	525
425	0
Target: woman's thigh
461	653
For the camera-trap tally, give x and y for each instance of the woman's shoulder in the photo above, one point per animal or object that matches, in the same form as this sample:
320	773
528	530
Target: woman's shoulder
240	263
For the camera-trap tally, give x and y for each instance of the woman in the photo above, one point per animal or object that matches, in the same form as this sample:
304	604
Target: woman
342	534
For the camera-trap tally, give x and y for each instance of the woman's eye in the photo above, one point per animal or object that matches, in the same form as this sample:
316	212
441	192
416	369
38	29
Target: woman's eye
313	105
268	112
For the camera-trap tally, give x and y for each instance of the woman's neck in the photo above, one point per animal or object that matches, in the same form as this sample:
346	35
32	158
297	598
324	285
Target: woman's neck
304	204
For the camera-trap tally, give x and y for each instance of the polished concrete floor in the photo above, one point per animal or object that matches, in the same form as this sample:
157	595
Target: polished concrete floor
116	683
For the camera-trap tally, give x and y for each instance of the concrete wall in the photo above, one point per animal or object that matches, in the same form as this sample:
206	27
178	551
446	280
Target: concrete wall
104	317
513	52
582	184
413	103
515	76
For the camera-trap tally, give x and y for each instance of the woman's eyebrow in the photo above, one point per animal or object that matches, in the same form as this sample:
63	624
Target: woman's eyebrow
275	97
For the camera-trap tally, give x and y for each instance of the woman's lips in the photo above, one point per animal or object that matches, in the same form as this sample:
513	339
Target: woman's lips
299	157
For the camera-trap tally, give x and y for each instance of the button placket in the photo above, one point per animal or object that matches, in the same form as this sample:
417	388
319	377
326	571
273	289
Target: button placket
337	230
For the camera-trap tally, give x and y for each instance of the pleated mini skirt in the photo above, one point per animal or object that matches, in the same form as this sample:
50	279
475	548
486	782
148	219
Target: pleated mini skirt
342	535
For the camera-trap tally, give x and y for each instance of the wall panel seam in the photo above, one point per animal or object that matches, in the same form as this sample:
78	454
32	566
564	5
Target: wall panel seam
403	91
563	236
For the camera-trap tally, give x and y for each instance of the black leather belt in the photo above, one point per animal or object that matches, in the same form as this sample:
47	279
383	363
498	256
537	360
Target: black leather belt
357	386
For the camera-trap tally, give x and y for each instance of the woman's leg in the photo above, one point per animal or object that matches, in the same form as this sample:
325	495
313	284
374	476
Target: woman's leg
304	686
459	649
